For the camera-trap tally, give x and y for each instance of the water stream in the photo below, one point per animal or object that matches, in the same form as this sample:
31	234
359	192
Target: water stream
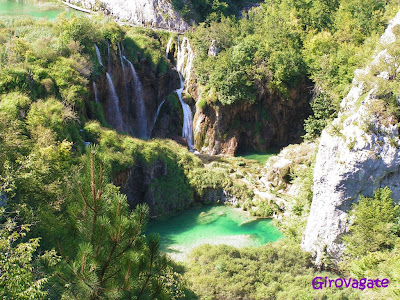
98	55
115	112
156	116
185	55
141	109
96	97
168	47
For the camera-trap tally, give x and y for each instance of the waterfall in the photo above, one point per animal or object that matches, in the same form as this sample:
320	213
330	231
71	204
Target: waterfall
108	57
123	76
98	55
120	57
141	109
96	98
155	118
185	53
115	112
185	58
168	47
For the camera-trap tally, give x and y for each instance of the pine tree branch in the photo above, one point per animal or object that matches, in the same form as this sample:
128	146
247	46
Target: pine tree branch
93	180
99	241
59	246
83	196
83	263
134	237
127	274
106	264
148	275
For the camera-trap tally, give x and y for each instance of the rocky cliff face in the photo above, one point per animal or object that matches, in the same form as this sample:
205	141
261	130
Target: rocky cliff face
357	154
155	88
141	185
271	122
154	13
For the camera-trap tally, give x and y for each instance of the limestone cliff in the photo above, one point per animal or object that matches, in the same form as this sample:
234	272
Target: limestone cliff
270	122
357	154
154	13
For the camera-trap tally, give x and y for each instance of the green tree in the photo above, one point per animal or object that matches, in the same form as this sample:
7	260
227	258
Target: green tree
107	255
375	226
19	276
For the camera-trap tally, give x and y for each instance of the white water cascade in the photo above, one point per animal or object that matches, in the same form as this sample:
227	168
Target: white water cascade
168	47
155	118
141	109
108	57
185	53
185	59
120	57
98	54
96	97
115	111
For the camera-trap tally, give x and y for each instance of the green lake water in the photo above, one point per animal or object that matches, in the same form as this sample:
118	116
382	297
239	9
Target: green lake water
260	157
48	10
211	225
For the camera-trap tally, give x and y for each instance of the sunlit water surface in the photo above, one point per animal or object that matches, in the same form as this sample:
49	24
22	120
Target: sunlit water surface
211	225
42	9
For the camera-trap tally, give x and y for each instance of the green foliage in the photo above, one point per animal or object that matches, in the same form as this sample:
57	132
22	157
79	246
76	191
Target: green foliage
141	43
108	257
373	242
375	224
67	74
284	43
209	10
201	104
20	277
204	180
279	270
79	30
383	78
324	112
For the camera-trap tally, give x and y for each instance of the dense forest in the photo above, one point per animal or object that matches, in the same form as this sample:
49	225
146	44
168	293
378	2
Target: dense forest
76	193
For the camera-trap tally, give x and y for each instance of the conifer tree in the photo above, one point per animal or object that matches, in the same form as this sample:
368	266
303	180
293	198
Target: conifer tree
108	257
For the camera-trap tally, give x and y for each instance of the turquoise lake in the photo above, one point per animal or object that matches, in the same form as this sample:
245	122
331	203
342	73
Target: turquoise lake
213	225
48	10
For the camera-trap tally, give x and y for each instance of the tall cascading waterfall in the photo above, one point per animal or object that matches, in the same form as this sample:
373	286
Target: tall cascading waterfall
185	52
141	108
96	97
120	57
168	47
98	54
123	76
115	112
155	118
108	57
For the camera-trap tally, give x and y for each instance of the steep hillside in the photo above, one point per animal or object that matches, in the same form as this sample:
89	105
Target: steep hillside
359	152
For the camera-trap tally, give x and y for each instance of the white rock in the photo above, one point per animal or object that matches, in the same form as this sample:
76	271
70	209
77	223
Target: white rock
156	13
351	164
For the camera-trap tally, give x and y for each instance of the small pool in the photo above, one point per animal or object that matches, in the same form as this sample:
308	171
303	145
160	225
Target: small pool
37	9
211	225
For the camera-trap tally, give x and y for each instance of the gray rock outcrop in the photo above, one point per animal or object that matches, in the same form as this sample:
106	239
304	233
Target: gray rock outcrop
357	154
213	50
154	13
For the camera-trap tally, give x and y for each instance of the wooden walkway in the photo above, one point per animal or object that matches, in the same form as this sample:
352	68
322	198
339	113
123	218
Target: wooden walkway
88	11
